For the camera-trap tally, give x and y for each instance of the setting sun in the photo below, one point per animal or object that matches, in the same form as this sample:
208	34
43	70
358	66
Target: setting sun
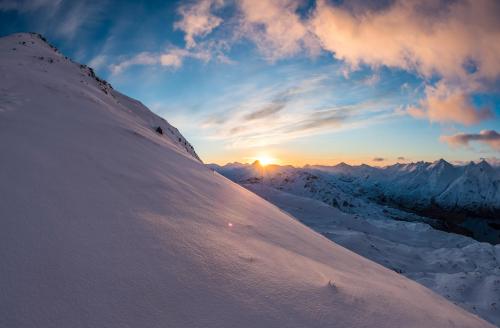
265	160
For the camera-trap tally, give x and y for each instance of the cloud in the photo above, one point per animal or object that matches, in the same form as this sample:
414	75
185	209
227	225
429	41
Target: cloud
442	104
294	104
275	28
75	16
57	17
267	111
28	5
173	58
429	37
452	42
143	58
272	114
98	61
378	159
197	20
281	99
371	80
401	158
489	137
319	120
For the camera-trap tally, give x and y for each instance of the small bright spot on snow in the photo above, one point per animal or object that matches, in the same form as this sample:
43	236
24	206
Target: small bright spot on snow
229	224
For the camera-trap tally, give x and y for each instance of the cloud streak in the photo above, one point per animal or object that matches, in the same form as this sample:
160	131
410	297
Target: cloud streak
171	58
267	111
57	17
490	138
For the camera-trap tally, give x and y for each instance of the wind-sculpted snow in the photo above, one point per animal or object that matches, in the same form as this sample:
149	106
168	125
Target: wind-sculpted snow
106	223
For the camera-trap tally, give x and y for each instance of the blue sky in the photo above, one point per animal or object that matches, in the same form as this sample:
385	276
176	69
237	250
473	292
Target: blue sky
316	82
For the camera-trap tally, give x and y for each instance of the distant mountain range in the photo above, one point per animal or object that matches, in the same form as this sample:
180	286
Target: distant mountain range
438	190
472	189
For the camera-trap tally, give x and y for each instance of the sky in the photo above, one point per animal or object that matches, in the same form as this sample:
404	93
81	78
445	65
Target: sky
296	81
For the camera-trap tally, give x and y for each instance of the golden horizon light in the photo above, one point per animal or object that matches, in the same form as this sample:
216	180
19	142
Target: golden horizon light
265	159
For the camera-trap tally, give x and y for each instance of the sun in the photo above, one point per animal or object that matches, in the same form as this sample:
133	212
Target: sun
265	160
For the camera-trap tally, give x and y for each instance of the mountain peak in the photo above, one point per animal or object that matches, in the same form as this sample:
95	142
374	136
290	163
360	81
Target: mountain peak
484	165
343	165
440	164
28	40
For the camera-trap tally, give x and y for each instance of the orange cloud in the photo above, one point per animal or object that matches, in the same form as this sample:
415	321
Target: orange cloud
197	20
444	105
275	28
425	36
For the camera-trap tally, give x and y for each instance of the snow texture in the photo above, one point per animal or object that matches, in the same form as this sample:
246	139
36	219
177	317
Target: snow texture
106	223
459	268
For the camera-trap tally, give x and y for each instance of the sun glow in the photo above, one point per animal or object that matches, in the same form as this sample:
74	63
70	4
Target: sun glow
265	160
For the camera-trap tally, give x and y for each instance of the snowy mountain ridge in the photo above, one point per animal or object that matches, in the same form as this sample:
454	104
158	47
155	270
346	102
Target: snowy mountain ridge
105	222
433	189
44	58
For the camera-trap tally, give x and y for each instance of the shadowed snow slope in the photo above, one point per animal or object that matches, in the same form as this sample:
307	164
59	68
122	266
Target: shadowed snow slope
106	223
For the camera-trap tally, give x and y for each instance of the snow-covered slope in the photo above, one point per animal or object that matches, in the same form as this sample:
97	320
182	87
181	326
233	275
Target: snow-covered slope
106	223
459	268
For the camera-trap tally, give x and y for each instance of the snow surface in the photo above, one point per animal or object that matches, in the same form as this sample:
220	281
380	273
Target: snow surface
327	199
106	223
457	267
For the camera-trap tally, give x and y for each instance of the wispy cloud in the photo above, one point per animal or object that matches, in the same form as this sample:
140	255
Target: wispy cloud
172	57
267	119
317	120
62	18
28	5
267	111
143	58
